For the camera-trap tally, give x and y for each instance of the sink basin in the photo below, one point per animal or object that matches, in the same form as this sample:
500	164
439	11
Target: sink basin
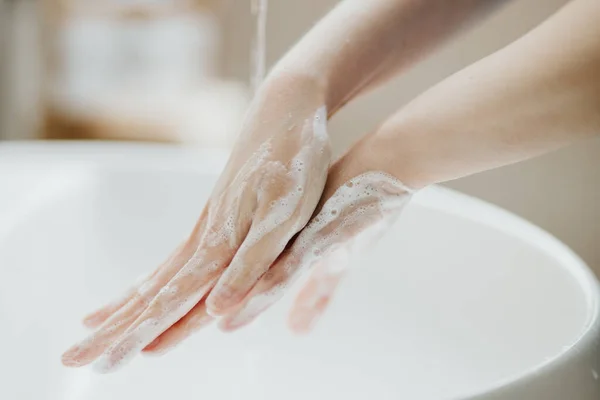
461	300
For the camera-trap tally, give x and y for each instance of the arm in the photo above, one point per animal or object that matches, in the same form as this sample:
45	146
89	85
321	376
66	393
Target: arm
275	177
361	44
536	95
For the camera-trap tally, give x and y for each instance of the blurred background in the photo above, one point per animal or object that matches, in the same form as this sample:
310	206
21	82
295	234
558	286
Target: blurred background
178	71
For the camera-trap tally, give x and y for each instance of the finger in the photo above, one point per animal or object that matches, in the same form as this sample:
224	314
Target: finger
193	321
176	293
173	301
354	215
274	225
267	291
313	244
95	344
90	348
96	318
291	194
306	250
251	261
273	284
316	294
363	220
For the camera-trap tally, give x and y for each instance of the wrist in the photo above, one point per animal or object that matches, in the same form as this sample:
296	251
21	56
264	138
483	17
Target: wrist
394	149
294	83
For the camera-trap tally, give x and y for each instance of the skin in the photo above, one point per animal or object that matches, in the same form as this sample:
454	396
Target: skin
267	193
536	95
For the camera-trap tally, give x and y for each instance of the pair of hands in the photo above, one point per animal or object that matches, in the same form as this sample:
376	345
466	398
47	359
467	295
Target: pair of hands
276	211
279	208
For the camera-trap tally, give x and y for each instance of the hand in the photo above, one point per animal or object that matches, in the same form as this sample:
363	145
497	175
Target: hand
267	193
522	101
274	179
356	208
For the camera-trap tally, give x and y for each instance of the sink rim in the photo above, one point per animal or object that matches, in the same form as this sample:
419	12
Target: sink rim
166	156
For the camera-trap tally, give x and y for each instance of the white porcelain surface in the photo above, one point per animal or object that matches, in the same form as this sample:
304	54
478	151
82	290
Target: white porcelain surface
460	301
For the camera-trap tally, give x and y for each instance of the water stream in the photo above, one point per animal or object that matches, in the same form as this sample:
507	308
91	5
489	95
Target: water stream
258	56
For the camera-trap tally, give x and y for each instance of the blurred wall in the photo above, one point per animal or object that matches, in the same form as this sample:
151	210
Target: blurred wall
4	25
560	192
20	68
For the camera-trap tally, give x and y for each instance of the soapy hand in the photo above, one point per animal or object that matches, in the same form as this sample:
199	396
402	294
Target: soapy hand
357	207
267	193
512	105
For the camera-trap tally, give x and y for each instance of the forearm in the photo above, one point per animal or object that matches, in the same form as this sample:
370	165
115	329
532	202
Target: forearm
534	96
362	43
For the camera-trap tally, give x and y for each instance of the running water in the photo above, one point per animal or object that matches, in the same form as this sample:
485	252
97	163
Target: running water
257	60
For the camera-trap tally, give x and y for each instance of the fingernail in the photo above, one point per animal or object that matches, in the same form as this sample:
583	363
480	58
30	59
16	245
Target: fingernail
219	301
103	365
303	320
69	358
227	324
236	322
199	321
93	320
210	311
153	344
156	353
113	359
160	351
129	345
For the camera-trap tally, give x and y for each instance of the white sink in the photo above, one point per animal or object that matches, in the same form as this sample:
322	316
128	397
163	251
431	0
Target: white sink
462	300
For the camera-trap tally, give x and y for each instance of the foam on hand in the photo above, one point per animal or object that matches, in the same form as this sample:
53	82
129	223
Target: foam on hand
357	214
273	193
